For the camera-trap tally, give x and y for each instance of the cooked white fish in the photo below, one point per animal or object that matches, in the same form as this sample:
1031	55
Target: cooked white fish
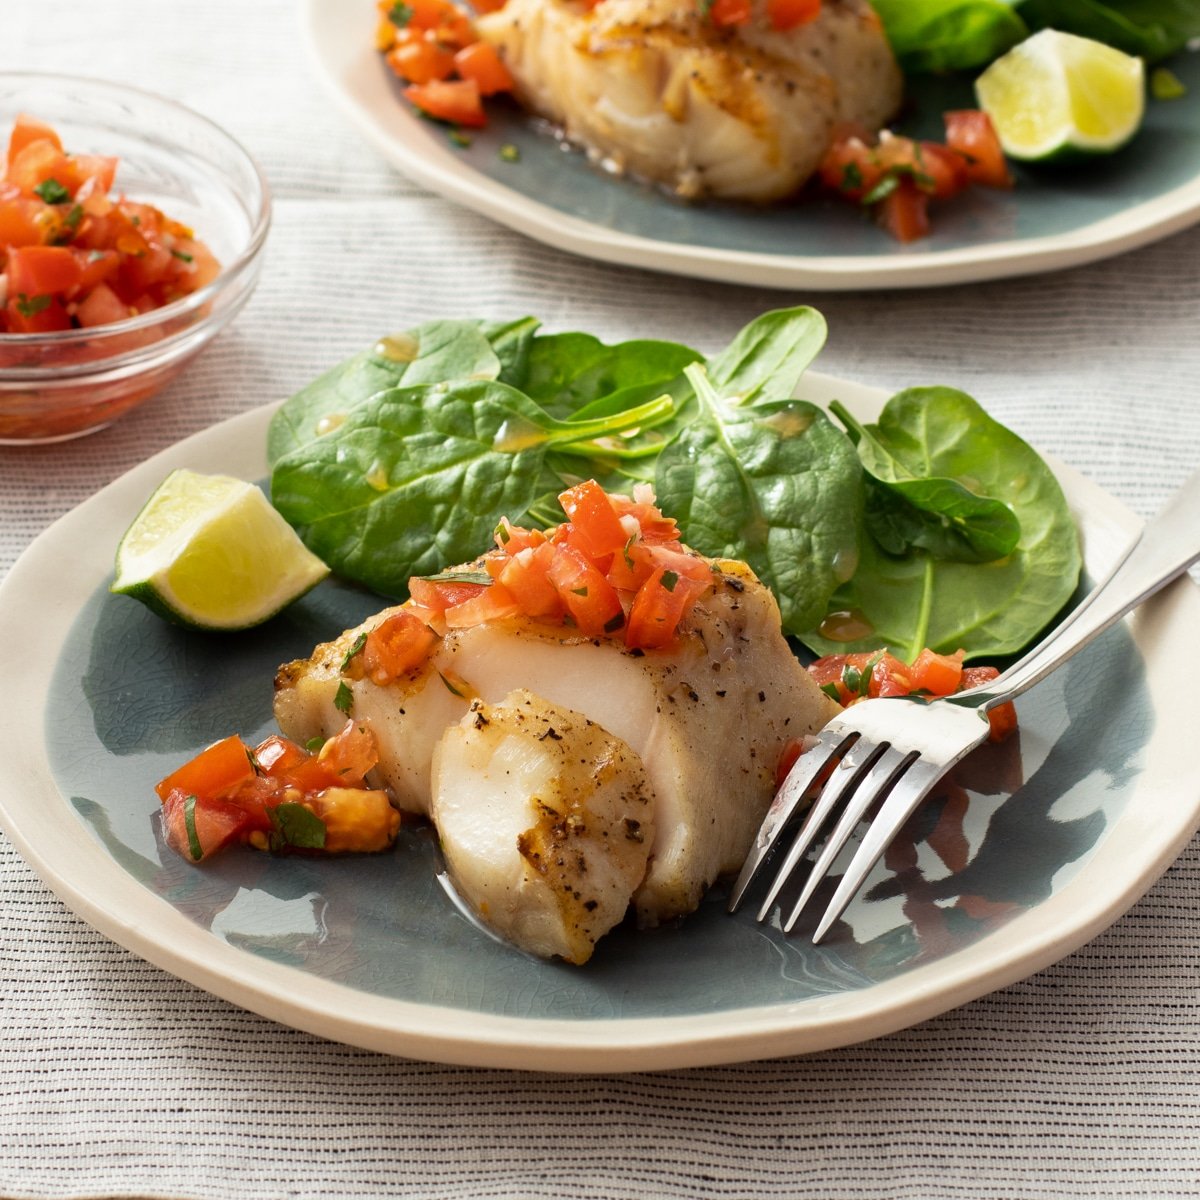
545	820
652	87
708	717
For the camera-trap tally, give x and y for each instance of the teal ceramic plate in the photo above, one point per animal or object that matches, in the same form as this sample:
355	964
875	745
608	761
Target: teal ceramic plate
1053	219
982	889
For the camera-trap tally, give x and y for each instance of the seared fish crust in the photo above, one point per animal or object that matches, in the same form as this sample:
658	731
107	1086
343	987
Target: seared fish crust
652	87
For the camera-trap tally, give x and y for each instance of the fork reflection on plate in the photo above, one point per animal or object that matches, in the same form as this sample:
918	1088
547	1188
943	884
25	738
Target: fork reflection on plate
888	754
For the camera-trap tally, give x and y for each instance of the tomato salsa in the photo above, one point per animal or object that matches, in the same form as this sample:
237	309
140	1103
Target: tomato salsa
278	796
74	256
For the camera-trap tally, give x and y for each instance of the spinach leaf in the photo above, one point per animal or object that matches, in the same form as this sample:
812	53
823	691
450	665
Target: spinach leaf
774	483
418	477
770	354
949	35
431	353
511	341
989	608
909	509
1151	29
571	372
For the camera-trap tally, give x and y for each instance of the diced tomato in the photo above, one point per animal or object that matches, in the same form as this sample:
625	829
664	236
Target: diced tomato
787	760
942	172
904	212
487	6
98	167
19	222
441	594
349	754
101	306
27	129
526	578
197	828
398	644
215	771
41	162
420	60
1002	718
937	674
654	525
495	603
730	12
971	134
850	167
788	14
38	270
457	101
596	523
591	600
631	567
660	604
277	755
35	314
510	538
483	64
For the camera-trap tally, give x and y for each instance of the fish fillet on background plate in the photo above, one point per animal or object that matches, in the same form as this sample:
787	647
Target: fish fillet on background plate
654	88
662	765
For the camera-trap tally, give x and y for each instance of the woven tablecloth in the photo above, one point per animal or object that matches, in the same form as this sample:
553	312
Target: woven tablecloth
117	1079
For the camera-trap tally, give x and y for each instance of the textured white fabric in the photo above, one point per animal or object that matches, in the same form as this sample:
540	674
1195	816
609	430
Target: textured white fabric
118	1080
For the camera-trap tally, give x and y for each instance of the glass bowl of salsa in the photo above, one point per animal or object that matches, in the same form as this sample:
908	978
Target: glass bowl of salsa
131	234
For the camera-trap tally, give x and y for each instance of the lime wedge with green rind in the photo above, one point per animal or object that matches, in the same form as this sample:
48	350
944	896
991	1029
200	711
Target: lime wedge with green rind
1058	96
209	552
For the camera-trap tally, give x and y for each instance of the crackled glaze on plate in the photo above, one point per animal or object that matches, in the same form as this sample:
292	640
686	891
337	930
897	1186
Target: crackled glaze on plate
1054	218
982	888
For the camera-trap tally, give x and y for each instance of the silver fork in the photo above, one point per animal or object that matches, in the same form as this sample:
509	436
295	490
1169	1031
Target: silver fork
891	752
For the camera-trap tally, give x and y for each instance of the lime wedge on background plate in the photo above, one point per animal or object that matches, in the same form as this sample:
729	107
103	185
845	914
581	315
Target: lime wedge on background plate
1058	96
210	552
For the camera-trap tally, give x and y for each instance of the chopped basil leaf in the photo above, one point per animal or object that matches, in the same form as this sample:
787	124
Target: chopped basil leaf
852	678
579	591
670	579
343	699
458	138
510	153
180	255
502	535
30	306
458	577
400	14
359	643
74	216
884	188
297	826
189	823
852	178
831	690
614	623
52	192
314	744
450	687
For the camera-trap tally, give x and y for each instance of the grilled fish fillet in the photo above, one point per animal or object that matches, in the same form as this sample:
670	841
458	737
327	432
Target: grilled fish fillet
545	820
652	87
708	718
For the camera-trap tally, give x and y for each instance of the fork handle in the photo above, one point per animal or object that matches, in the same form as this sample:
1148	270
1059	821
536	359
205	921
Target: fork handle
1165	548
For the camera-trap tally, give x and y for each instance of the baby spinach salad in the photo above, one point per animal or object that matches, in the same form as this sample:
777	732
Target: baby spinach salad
936	526
952	35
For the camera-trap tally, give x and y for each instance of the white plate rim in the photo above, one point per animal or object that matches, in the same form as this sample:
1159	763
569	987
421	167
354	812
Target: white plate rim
38	820
347	68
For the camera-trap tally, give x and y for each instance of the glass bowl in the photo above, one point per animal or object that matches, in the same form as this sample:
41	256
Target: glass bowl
55	386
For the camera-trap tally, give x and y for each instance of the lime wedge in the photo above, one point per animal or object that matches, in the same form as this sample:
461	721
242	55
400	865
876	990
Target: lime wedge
1057	96
210	552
